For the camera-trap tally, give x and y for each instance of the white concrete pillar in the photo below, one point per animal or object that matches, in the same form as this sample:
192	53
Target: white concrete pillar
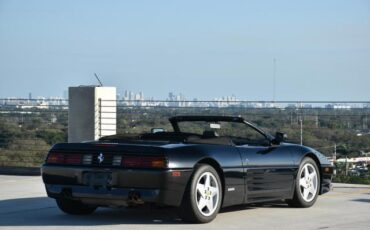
92	113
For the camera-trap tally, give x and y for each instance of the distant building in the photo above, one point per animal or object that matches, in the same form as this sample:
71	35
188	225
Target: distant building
338	106
142	96
65	94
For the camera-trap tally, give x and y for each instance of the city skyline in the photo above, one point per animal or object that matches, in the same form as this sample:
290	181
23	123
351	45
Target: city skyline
132	95
137	99
129	95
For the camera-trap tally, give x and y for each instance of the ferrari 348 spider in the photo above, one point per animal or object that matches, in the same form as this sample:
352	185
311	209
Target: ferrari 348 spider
203	164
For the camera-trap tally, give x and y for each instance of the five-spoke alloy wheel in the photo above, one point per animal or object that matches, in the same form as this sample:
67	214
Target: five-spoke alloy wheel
203	197
207	196
307	184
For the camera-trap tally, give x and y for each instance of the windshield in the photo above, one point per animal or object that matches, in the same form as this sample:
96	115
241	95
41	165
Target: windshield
239	132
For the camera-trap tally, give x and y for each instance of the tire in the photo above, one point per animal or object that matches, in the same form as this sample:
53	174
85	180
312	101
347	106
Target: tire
73	207
203	196
307	185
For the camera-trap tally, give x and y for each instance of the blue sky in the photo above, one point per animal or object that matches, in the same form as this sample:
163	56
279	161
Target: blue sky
204	49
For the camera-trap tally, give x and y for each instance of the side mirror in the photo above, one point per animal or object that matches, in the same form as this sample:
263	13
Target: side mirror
279	137
158	130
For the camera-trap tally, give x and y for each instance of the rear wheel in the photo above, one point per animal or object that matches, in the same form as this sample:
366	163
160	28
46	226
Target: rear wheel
203	196
307	184
74	207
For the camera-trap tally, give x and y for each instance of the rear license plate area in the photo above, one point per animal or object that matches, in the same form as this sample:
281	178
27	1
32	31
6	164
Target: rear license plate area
97	179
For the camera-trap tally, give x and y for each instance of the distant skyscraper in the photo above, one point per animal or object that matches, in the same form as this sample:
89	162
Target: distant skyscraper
171	96
30	96
65	94
141	96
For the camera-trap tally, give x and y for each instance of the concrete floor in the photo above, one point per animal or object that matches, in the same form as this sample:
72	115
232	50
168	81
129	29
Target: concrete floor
24	205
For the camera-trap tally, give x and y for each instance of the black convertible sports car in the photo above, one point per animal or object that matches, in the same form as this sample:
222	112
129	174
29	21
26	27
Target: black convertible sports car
205	163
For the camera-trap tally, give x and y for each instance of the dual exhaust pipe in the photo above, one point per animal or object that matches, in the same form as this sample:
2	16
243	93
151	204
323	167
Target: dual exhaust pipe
134	198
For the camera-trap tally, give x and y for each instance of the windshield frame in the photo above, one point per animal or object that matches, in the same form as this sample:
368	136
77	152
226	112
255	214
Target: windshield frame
175	122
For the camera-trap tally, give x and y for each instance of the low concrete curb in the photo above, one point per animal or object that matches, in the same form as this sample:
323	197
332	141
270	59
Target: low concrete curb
24	171
342	185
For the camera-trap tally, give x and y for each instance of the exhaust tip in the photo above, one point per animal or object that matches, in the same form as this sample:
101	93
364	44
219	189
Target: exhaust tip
134	197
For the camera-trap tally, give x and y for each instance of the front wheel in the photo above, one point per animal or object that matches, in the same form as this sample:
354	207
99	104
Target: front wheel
307	184
203	196
73	207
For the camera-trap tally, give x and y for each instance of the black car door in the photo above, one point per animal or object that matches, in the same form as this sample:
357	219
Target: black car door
268	170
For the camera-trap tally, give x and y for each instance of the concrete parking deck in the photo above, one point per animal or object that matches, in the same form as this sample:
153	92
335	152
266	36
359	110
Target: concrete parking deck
23	204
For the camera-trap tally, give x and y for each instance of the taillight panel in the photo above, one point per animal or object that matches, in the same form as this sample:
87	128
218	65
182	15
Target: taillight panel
73	159
106	160
61	158
117	160
144	162
55	158
87	159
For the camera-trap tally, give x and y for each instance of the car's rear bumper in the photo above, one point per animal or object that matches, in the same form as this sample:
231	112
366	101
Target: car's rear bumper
126	185
106	197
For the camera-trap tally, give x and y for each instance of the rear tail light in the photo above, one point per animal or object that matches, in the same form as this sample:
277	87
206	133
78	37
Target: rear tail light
144	162
60	158
55	158
73	159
